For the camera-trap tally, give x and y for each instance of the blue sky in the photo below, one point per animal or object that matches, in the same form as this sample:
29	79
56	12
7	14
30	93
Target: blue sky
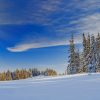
36	33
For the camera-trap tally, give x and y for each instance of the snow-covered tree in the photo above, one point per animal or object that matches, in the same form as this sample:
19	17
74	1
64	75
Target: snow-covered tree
98	53
89	59
71	69
84	46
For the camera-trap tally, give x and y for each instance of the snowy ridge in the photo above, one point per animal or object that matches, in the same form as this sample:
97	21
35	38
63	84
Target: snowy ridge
69	87
45	78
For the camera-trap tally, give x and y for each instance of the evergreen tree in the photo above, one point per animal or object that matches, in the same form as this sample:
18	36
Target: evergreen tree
98	52
92	56
8	75
84	46
88	44
71	69
77	61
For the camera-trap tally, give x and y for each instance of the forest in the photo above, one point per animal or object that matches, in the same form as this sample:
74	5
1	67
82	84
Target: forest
25	73
87	60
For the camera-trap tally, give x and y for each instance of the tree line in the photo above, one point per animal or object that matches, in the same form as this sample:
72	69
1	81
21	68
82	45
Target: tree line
88	60
23	74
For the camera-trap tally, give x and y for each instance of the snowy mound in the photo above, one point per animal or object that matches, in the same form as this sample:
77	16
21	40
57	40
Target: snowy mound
69	87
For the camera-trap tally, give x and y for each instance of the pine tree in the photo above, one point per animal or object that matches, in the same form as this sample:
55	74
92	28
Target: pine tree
92	56
88	44
77	61
98	52
84	46
8	75
84	60
71	69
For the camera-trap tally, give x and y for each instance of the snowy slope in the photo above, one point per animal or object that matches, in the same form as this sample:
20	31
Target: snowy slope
75	87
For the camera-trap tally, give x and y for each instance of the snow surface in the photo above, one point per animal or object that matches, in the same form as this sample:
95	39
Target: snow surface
69	87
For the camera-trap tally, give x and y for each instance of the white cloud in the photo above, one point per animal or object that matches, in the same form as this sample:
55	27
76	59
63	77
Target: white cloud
89	24
27	46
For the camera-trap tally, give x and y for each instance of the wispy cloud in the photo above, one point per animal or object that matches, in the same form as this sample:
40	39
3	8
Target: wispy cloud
90	24
41	44
27	12
62	18
27	46
42	12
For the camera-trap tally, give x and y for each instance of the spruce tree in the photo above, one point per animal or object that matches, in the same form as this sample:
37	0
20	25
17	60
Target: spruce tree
77	61
84	62
98	53
84	46
71	69
8	75
88	44
92	56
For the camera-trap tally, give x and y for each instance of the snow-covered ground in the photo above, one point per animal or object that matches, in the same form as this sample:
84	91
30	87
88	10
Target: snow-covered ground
73	87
